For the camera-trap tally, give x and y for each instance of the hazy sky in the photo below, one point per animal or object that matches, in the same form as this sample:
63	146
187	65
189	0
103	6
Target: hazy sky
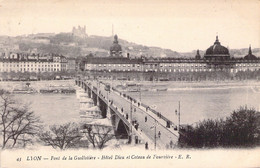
178	25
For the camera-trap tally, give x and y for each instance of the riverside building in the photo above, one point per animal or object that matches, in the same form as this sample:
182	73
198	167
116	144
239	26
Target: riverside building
216	58
20	62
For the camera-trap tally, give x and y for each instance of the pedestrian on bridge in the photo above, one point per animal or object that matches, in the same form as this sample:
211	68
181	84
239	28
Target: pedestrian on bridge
159	134
171	144
136	126
146	146
145	119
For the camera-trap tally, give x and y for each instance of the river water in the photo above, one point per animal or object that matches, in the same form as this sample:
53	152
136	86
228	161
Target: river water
196	104
199	104
53	108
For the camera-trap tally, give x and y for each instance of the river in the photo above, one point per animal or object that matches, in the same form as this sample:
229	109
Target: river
196	104
200	103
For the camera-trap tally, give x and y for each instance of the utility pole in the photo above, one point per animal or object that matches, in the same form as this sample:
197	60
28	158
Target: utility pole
131	118
179	115
140	93
112	31
154	134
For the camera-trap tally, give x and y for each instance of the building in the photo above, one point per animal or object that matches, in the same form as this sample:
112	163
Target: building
79	32
115	49
113	64
217	52
23	62
71	64
216	58
250	56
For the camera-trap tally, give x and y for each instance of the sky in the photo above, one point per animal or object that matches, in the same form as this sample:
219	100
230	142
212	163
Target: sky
182	26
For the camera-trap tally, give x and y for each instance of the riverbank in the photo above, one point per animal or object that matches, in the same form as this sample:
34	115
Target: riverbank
176	85
37	86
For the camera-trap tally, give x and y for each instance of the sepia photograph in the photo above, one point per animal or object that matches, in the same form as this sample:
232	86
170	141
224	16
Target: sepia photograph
117	83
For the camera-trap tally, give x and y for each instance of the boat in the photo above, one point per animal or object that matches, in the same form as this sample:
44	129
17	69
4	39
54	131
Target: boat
132	90
161	89
153	107
164	79
23	91
256	89
48	90
67	91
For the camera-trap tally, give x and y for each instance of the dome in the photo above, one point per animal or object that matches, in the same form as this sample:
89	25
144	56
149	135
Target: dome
115	49
250	56
217	50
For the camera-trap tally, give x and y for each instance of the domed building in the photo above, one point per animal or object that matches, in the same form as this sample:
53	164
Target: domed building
217	51
115	49
250	56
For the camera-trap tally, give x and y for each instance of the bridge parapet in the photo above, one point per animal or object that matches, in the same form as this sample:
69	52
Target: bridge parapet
117	100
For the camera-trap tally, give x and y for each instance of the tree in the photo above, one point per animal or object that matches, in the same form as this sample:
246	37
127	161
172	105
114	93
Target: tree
18	123
61	136
98	135
241	129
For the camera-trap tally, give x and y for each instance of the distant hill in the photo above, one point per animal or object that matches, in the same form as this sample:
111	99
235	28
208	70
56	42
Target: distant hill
72	46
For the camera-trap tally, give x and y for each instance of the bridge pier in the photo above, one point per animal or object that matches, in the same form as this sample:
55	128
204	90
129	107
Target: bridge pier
108	111
89	93
85	87
98	103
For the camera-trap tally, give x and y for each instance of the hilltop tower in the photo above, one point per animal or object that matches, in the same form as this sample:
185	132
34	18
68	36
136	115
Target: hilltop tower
79	32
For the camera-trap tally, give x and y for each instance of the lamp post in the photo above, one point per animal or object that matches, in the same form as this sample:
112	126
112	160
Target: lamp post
140	95
179	115
131	120
155	134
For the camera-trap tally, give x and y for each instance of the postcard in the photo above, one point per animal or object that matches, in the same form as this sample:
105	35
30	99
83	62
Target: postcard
129	83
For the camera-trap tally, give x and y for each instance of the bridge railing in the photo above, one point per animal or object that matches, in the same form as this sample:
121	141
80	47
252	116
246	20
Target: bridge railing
168	122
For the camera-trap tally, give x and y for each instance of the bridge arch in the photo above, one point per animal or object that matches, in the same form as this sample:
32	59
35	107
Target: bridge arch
122	131
103	108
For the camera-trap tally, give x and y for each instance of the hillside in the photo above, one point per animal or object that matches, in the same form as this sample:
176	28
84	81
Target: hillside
72	46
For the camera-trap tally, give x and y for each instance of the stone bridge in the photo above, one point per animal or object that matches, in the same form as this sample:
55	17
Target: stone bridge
129	119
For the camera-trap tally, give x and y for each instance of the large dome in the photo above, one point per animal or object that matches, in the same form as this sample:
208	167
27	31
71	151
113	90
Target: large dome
217	50
115	49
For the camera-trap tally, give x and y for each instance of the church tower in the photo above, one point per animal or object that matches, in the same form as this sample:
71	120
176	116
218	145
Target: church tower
116	49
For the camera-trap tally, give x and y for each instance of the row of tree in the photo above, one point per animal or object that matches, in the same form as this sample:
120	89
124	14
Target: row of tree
20	127
177	76
36	76
241	129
